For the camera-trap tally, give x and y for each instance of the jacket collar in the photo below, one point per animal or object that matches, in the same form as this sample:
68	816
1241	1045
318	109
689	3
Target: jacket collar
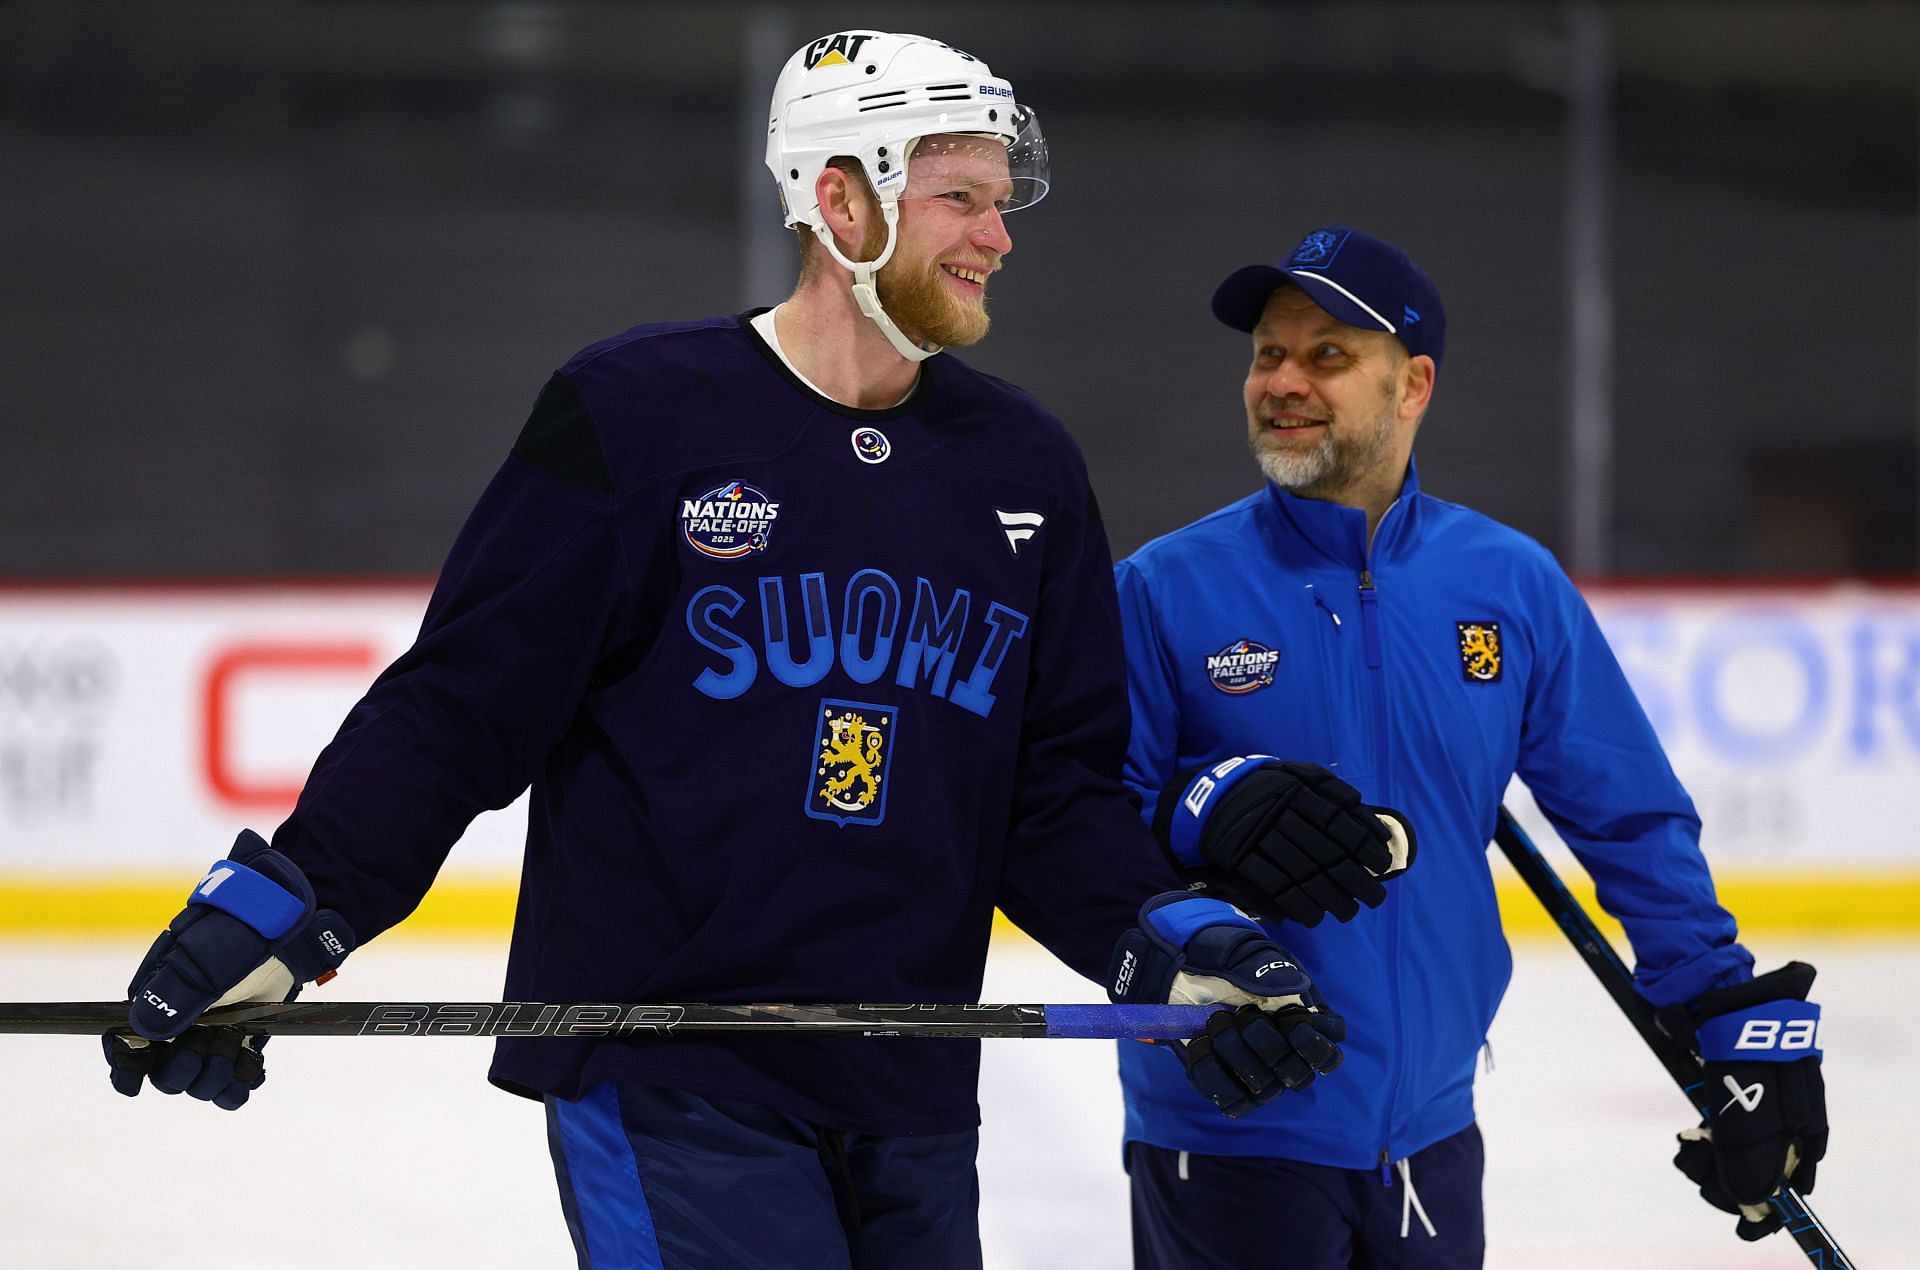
1337	532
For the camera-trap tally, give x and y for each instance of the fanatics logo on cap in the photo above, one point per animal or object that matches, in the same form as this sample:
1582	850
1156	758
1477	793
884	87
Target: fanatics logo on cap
853	747
1480	657
728	521
1241	667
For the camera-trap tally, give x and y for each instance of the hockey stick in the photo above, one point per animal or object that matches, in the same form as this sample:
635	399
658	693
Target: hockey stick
526	1018
1681	1063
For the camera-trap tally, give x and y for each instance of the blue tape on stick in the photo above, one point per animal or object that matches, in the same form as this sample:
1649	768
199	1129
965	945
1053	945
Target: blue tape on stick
1128	1022
254	898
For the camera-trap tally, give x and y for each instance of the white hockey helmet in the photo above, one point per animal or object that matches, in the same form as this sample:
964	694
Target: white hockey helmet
872	95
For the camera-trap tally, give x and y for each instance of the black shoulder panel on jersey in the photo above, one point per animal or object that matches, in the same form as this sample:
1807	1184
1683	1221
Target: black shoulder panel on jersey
559	438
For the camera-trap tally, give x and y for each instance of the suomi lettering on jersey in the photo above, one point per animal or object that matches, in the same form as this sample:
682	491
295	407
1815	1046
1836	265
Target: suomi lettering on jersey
870	628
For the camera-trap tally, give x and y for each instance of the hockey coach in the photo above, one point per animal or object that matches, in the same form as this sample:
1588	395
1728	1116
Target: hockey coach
1427	654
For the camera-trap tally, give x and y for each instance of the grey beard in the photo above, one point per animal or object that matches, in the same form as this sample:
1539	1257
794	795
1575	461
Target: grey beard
1294	469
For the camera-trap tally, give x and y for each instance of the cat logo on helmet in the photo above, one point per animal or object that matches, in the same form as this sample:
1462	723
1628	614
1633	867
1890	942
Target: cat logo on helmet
835	50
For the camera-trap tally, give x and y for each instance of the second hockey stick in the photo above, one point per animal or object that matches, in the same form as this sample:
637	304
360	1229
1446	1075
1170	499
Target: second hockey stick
1681	1063
601	1019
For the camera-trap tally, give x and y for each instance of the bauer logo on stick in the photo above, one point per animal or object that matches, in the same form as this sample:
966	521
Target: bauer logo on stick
1480	657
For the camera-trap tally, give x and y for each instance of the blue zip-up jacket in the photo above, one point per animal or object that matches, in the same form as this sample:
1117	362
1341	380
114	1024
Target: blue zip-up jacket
1426	670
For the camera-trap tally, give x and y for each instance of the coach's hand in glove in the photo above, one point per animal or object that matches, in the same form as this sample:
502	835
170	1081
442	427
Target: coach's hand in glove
1765	1101
250	932
1284	840
1195	951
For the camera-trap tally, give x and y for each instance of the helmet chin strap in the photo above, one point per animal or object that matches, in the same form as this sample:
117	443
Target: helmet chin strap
866	294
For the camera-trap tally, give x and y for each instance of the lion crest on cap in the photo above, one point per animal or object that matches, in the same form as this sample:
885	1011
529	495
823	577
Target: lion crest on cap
1317	248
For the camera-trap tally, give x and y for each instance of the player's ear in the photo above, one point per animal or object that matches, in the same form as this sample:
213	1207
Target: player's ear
845	205
1416	386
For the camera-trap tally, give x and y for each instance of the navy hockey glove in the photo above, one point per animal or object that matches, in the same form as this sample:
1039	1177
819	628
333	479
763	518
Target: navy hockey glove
1284	840
1196	951
250	932
1766	1103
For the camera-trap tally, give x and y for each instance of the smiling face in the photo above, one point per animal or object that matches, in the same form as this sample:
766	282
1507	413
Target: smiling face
1331	408
951	239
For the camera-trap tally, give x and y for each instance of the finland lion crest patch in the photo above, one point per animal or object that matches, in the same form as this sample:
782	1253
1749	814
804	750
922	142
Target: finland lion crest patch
1480	657
852	750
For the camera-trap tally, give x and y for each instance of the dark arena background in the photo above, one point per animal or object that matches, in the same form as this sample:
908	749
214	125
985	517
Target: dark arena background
279	281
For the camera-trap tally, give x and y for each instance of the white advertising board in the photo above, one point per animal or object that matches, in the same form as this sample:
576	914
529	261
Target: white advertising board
141	727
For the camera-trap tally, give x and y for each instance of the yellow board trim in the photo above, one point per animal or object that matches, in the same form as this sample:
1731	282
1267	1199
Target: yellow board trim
36	905
1863	905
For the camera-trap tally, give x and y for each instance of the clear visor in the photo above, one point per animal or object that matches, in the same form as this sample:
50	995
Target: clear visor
975	172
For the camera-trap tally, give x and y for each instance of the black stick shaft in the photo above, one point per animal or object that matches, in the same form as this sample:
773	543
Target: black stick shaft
599	1019
1681	1063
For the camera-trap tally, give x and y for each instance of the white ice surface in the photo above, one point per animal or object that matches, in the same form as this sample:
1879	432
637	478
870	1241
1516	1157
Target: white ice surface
396	1153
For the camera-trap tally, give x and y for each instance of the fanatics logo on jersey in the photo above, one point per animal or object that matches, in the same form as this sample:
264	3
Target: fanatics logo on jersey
852	748
1242	667
728	521
1480	651
1019	526
870	445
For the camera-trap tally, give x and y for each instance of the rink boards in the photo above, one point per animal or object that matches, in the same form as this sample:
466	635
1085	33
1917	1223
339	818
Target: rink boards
141	726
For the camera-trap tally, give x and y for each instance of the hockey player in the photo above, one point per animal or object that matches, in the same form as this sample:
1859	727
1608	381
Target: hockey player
805	640
1427	654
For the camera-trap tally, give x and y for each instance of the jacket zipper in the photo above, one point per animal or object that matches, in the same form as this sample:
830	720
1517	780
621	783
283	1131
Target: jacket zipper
1370	618
1328	657
1371	637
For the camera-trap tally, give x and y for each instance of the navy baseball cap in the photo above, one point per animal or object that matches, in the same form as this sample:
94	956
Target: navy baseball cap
1361	280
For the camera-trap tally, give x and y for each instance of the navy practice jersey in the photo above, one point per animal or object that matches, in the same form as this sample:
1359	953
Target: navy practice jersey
802	693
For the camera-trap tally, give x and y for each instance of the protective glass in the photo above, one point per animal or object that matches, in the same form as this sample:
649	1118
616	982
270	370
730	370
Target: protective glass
976	172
